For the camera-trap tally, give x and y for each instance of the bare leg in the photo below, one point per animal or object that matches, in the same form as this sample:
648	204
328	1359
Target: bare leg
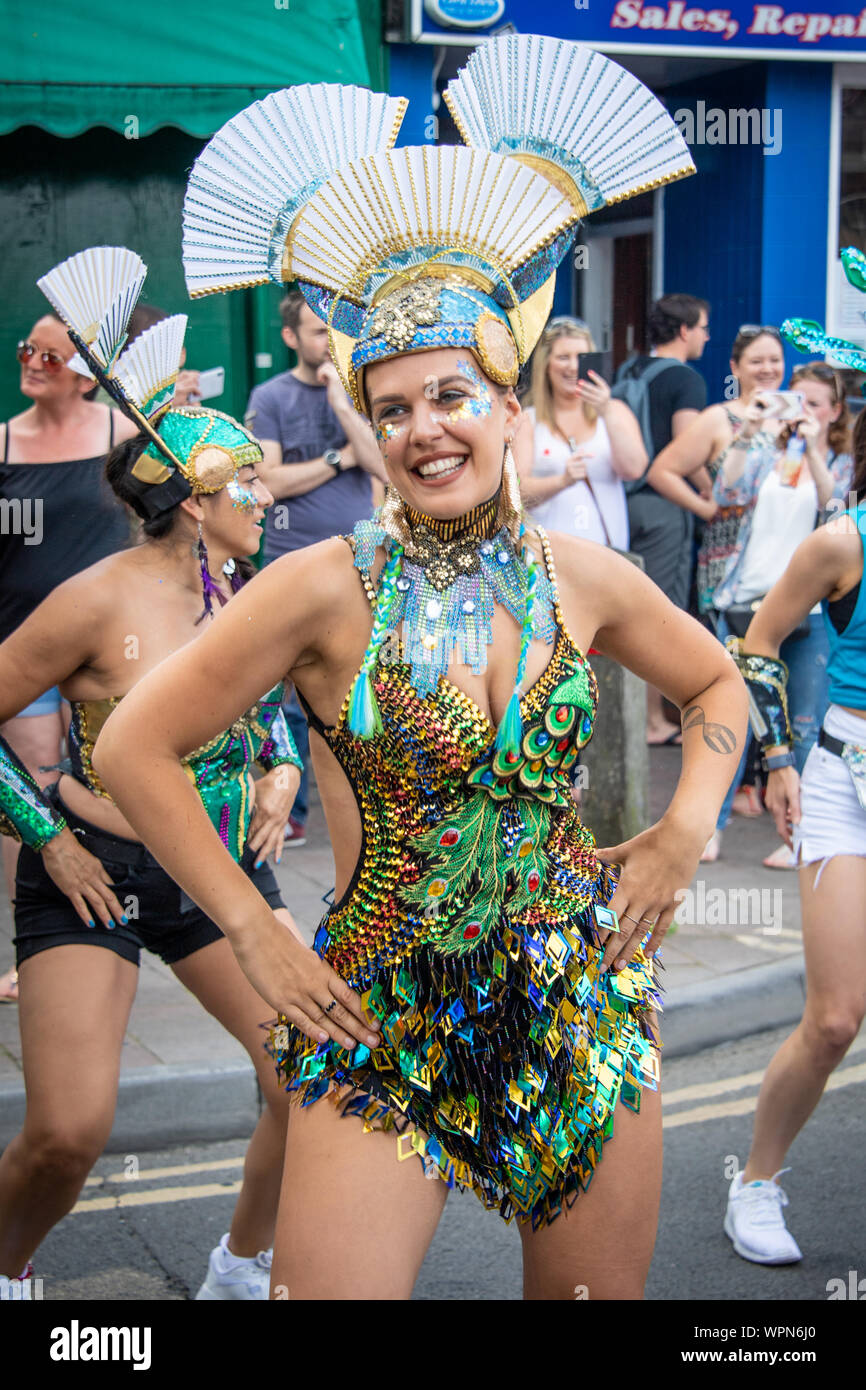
834	942
354	1222
37	741
215	978
75	1003
658	726
602	1247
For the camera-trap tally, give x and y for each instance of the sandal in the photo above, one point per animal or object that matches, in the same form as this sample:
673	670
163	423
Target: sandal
713	848
9	987
747	802
781	858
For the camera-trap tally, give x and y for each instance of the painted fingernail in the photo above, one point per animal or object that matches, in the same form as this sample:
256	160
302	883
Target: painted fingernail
258	864
124	919
111	924
90	922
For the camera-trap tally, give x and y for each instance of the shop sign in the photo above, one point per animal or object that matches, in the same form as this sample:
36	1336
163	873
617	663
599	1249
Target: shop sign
735	28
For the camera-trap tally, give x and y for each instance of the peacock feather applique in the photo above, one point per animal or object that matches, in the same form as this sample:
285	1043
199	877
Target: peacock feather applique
481	859
548	750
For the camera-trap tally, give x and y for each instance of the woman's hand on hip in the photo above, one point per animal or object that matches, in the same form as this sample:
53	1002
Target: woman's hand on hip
657	866
300	985
275	797
84	879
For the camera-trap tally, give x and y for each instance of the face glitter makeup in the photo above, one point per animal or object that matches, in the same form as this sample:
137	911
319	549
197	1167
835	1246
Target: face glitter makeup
243	495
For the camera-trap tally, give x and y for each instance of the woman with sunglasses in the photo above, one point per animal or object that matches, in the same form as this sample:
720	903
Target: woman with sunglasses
820	811
89	896
64	518
575	444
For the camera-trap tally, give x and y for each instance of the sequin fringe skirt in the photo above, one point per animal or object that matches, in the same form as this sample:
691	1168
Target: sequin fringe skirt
502	1068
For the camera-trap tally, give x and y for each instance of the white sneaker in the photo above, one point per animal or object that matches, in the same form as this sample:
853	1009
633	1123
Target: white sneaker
229	1276
755	1224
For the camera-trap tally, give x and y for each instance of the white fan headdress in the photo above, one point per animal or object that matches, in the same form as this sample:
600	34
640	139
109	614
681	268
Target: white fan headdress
253	177
94	293
416	248
580	118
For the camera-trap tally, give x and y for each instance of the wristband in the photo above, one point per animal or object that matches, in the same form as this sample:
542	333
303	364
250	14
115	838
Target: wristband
772	764
766	678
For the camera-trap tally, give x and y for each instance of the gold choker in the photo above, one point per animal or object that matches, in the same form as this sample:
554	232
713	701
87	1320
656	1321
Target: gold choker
480	522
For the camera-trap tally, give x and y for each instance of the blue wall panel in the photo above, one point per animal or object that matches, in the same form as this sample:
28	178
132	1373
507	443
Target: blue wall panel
794	272
713	244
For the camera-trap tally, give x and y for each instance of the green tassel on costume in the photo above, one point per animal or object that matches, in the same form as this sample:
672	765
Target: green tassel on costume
365	721
510	731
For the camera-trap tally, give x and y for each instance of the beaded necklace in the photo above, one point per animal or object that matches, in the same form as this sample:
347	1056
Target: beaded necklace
441	586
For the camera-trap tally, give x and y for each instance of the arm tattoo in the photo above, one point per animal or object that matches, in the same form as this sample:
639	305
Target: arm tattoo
716	736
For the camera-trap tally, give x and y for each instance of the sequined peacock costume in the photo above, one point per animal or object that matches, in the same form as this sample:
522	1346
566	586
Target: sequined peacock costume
469	929
469	924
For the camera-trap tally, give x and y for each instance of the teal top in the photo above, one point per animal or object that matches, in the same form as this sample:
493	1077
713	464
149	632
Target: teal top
846	669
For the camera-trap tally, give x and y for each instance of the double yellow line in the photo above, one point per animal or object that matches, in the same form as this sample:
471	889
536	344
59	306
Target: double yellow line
127	1192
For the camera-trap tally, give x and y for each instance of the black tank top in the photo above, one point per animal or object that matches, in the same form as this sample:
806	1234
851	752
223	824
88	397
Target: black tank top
55	520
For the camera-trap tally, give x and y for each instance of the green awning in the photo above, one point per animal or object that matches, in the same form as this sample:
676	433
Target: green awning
191	65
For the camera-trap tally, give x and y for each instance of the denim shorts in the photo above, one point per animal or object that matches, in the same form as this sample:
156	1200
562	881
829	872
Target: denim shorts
162	919
49	703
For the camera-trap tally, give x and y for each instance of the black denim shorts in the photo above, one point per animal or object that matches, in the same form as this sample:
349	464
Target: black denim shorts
162	919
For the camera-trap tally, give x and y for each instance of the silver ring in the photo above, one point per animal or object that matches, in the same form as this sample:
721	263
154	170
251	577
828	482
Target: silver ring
650	920
332	1005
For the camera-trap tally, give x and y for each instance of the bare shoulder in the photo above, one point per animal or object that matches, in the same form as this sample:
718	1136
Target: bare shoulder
98	588
833	553
316	576
124	428
584	564
594	581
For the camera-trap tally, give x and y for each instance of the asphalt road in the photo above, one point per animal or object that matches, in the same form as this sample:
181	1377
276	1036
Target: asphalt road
147	1236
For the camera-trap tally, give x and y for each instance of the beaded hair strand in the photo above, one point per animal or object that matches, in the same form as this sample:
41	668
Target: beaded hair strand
364	718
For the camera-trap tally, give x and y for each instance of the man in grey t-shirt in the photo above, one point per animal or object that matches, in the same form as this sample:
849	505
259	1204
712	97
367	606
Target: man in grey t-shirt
319	458
319	453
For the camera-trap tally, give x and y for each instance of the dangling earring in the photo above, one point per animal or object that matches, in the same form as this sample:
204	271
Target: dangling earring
392	518
207	584
510	512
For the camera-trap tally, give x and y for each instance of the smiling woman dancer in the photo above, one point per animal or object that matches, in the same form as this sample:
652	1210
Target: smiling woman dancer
466	999
88	894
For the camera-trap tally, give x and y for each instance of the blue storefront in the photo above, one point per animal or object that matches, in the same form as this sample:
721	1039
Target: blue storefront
772	101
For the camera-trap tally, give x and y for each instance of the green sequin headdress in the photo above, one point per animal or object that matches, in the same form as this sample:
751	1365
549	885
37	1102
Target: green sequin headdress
94	293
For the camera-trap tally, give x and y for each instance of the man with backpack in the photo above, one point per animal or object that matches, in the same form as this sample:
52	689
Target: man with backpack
666	395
